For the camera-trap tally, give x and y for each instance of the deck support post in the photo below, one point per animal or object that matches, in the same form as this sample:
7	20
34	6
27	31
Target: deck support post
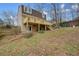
45	28
38	27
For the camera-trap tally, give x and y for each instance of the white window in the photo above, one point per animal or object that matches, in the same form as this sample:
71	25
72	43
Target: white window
29	10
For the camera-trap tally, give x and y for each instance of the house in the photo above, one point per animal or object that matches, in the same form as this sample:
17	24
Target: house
74	22
32	20
71	23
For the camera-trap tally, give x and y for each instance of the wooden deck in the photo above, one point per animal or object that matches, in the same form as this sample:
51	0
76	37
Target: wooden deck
33	19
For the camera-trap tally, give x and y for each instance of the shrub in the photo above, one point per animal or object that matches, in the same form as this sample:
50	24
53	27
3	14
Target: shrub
28	34
16	30
8	26
9	31
55	26
41	31
1	35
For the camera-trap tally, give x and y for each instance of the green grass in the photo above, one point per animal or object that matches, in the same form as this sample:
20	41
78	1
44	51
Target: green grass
63	41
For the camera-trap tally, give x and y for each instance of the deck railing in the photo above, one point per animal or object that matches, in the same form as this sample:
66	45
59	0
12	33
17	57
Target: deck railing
33	19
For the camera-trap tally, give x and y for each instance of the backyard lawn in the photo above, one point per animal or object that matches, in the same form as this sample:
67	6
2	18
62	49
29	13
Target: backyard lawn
60	42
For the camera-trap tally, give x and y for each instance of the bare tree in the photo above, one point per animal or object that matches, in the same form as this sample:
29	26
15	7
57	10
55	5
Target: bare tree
61	11
56	15
39	7
8	17
75	9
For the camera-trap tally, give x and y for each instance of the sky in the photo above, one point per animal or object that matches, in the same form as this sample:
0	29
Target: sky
13	7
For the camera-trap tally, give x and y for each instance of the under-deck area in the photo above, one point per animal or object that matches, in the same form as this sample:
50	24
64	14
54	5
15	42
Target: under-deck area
36	27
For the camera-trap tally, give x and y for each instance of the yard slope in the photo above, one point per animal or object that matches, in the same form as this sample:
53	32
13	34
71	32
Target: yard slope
64	41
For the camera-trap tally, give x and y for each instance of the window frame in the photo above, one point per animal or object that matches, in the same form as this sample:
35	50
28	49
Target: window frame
28	10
